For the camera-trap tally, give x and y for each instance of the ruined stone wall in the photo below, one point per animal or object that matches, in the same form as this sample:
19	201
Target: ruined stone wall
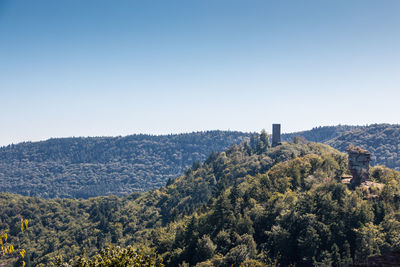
359	164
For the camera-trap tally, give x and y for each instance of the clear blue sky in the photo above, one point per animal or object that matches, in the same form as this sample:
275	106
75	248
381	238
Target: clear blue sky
91	68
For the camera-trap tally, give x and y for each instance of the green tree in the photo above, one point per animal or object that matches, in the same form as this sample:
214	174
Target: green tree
263	142
336	260
346	255
205	248
112	256
325	260
370	239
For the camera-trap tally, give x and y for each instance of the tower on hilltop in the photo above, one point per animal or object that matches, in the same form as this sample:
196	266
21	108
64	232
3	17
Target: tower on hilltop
276	135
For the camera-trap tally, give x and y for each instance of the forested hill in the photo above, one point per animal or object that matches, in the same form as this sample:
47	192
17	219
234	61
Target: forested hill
382	140
95	166
86	167
321	133
251	205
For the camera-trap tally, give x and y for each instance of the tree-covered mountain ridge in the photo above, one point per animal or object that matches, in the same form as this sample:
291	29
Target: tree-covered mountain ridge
87	167
250	205
95	166
382	140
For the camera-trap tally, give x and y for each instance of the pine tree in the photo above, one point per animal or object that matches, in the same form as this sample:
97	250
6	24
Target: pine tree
346	255
336	261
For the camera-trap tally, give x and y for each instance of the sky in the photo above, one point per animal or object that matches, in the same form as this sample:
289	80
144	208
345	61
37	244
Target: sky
110	68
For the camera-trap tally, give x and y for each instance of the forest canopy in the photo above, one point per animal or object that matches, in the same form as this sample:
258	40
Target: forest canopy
251	205
97	166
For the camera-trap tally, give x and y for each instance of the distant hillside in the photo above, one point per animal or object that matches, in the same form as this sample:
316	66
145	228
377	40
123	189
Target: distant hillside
321	133
382	140
87	167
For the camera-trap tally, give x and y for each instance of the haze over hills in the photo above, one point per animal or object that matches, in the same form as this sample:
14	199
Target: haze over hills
86	167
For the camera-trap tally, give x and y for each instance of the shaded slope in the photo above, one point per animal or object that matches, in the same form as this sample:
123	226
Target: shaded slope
87	167
382	140
320	134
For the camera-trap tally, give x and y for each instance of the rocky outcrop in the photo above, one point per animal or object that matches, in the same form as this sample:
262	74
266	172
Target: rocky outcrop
359	164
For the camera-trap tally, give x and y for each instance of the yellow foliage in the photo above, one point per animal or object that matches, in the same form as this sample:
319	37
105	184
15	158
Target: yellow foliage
9	248
22	252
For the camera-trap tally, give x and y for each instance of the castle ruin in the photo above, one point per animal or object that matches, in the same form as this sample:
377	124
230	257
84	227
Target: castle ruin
359	164
276	135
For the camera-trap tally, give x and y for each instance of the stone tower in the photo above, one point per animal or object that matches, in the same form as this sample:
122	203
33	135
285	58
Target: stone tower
276	135
359	164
